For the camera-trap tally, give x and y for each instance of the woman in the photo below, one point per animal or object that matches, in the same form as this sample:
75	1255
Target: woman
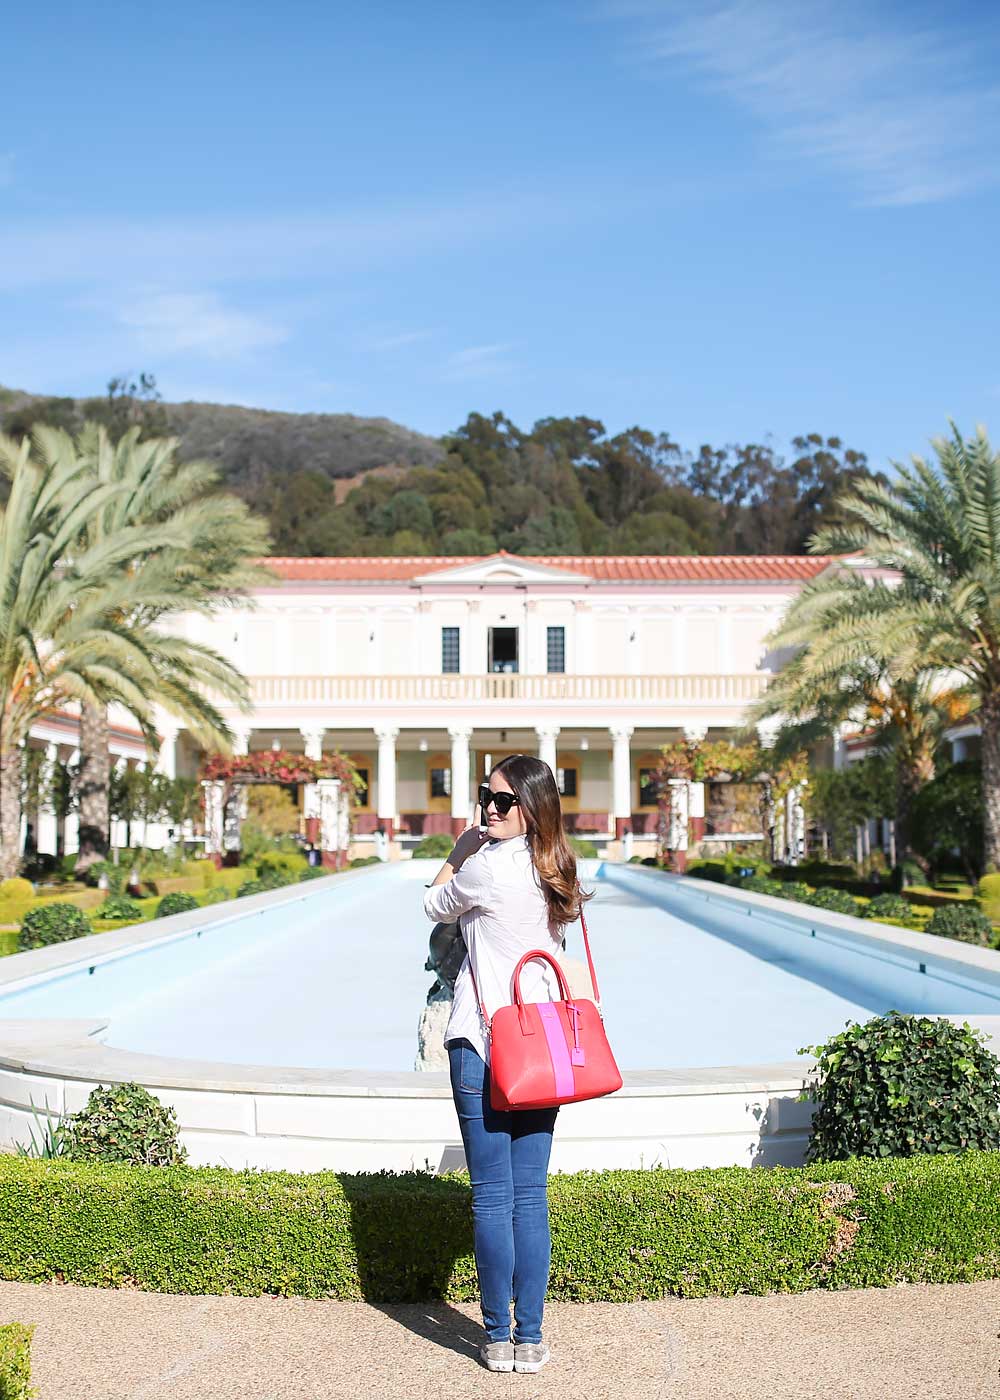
514	887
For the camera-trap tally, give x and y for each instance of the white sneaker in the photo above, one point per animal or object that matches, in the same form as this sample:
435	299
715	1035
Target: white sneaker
530	1356
497	1356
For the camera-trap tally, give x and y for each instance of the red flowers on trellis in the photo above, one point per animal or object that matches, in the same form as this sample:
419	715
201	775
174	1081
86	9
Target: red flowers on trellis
268	766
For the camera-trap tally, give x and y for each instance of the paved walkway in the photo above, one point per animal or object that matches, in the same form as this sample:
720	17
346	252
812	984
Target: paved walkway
928	1342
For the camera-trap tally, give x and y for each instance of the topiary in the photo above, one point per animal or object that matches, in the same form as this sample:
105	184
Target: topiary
900	1085
119	906
52	923
177	903
839	901
16	891
124	1123
966	922
437	846
887	906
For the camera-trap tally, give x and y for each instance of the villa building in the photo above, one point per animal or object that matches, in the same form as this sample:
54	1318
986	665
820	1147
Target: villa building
425	670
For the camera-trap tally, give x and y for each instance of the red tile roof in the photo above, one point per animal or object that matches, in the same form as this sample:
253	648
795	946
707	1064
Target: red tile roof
616	568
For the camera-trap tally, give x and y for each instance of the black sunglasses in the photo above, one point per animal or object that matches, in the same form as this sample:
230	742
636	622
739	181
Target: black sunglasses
503	801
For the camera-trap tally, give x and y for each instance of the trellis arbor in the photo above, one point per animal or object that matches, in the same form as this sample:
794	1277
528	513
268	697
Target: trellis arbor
330	786
689	765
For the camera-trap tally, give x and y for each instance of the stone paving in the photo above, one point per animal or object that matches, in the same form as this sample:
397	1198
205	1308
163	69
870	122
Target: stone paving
929	1342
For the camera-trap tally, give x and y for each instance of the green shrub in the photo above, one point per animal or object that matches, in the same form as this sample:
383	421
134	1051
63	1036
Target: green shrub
271	864
794	889
839	901
55	922
124	1123
966	922
759	884
618	1236
436	847
988	889
217	895
734	861
901	1085
252	887
119	906
15	1361
714	870
178	903
117	875
887	906
314	872
16	891
359	861
584	850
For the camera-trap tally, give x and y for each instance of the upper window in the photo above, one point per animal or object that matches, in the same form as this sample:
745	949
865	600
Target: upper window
556	648
449	649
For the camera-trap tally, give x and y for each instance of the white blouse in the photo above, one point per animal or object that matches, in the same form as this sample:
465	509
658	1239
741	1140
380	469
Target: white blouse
497	898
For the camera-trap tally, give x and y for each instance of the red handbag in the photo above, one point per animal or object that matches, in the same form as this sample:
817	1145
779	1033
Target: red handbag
544	1053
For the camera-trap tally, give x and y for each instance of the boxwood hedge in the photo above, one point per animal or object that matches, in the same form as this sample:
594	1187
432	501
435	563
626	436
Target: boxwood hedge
618	1236
15	1361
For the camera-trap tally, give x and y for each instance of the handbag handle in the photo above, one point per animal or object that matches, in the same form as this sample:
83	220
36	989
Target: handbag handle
563	986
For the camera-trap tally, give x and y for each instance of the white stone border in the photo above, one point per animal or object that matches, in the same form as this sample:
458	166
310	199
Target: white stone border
304	1119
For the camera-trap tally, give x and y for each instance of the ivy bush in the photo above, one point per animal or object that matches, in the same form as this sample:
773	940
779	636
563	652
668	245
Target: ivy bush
178	903
899	1085
119	906
966	922
888	906
124	1123
838	901
52	923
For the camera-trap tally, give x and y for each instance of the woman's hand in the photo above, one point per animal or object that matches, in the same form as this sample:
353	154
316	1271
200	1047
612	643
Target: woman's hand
467	845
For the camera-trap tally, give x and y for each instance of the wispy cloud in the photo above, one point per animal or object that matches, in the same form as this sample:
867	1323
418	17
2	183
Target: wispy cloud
167	323
383	344
478	362
905	112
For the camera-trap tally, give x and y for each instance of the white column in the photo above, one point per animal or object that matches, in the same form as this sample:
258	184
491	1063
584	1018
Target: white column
386	806
621	770
241	740
313	740
166	759
71	828
547	736
46	835
213	816
460	796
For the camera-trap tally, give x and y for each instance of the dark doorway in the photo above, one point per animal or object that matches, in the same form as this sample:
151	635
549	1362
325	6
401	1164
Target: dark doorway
503	648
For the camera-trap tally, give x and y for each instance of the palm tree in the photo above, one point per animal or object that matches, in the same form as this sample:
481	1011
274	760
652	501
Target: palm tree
209	565
905	717
932	537
55	645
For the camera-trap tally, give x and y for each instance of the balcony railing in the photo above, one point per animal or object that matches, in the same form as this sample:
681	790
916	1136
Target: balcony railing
505	686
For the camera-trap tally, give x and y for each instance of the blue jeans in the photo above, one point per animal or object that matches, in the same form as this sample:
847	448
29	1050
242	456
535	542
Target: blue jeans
507	1154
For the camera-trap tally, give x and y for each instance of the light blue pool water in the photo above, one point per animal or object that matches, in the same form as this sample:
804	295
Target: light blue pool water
336	980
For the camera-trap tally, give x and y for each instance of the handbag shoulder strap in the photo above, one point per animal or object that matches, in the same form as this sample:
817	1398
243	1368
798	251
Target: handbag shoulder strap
590	964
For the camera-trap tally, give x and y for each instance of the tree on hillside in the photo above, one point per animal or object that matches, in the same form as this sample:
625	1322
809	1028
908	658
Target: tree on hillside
934	533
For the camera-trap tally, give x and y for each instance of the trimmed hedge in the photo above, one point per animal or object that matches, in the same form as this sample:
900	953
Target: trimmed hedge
618	1236
15	1361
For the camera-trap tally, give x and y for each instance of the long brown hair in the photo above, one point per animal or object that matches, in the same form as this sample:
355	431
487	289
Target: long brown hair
532	783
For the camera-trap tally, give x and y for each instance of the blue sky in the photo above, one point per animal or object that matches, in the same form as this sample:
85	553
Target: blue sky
722	220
